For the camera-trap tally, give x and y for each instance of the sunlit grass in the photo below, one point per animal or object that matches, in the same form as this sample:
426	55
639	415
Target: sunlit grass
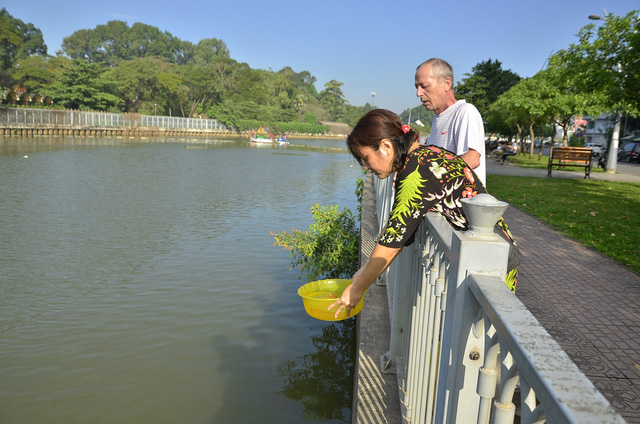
599	214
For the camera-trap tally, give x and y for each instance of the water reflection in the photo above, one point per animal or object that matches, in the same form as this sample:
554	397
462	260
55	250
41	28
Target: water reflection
322	380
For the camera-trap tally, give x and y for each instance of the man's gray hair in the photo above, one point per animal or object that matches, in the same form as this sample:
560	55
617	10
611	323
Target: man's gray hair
439	68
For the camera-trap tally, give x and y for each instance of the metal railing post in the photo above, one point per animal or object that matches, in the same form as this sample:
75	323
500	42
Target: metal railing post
477	249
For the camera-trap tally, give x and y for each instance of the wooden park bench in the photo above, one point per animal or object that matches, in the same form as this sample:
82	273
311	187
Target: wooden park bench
571	156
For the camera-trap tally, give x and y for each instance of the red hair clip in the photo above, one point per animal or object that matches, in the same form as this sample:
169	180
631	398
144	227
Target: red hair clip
406	128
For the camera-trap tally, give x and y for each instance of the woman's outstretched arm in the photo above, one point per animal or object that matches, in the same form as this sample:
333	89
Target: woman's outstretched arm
380	259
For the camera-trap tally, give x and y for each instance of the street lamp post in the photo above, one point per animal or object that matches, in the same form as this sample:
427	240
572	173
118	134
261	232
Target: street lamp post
612	153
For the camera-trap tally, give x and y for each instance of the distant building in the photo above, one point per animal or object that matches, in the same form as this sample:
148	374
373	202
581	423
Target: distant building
19	96
597	128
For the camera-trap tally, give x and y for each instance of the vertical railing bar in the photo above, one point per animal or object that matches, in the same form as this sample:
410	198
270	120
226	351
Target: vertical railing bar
412	345
426	332
428	283
417	330
438	281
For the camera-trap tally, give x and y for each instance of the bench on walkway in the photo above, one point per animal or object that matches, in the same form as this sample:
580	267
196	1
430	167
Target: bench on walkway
571	156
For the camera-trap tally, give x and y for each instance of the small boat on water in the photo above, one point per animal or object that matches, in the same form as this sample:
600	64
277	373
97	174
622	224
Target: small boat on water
262	140
261	136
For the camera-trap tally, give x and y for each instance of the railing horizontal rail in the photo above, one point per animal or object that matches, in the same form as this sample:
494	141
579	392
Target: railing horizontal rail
563	393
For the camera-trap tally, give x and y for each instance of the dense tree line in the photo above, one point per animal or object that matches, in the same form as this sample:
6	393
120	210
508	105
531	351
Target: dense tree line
141	69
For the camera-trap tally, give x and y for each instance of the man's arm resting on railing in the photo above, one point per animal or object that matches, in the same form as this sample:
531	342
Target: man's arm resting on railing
380	259
472	158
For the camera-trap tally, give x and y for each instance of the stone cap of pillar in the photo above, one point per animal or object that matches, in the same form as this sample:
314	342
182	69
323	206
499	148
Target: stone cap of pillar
482	212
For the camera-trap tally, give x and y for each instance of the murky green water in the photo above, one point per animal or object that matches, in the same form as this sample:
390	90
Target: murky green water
139	284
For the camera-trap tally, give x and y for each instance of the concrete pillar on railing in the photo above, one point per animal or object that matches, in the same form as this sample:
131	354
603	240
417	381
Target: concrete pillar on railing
481	250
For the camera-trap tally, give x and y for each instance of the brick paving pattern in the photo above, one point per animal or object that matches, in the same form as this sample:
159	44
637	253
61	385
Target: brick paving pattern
589	303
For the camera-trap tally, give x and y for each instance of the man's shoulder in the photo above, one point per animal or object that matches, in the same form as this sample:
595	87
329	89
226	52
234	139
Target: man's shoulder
456	110
460	110
463	106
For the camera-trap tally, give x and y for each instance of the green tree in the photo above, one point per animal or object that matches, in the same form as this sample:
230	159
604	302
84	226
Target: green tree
521	107
18	40
200	85
169	84
605	64
304	81
208	50
35	72
105	44
81	86
332	99
310	118
605	67
115	42
560	100
137	83
225	74
112	43
249	85
147	40
183	52
485	84
230	113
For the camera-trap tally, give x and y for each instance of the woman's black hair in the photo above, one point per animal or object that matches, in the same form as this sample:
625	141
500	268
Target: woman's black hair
376	125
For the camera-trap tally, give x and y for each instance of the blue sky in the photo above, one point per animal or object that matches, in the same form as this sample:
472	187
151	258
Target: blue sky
367	45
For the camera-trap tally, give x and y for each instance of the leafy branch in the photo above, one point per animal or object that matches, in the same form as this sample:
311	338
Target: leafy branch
329	249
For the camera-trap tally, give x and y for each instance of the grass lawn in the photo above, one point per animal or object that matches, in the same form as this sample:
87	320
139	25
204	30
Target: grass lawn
600	214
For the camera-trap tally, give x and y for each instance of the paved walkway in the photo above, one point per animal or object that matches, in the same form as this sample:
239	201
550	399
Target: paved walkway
494	167
586	301
589	303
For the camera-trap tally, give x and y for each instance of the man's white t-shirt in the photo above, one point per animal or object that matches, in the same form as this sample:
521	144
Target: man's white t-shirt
458	129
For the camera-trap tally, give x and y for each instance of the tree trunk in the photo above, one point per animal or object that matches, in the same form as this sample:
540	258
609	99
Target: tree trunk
553	137
565	135
195	103
541	144
533	137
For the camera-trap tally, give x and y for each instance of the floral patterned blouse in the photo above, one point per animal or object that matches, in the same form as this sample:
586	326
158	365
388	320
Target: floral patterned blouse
434	180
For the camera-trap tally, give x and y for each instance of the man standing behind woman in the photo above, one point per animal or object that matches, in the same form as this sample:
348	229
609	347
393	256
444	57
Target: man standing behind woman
457	125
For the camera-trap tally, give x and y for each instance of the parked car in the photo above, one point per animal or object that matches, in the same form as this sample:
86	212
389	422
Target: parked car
630	152
596	148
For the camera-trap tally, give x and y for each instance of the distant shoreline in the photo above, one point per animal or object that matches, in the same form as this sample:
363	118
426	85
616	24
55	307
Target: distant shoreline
45	130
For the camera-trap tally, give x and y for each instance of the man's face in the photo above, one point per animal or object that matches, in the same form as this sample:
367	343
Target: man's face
433	94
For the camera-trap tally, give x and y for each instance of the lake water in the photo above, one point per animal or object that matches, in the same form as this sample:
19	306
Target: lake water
139	283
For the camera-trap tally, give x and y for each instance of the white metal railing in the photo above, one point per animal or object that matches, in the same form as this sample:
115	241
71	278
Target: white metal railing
458	335
53	117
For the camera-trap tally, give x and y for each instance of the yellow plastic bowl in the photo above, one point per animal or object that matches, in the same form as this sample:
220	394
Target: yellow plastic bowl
318	295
